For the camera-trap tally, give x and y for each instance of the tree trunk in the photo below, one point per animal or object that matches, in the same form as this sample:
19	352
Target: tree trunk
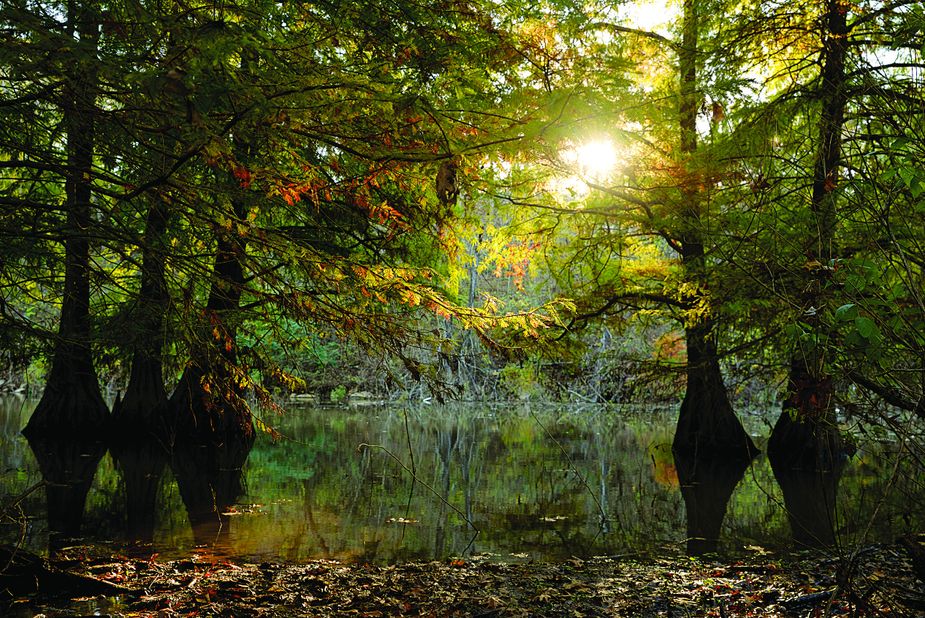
706	422
72	403
807	433
208	402
143	410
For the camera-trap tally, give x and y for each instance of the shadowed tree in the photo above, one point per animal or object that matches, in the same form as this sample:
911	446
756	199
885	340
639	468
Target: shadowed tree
707	422
72	403
806	434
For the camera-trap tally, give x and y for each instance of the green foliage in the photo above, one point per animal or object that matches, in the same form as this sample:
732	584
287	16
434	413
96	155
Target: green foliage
339	394
35	373
519	380
303	143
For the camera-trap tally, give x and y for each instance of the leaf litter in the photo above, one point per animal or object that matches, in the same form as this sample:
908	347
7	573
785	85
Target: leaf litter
875	581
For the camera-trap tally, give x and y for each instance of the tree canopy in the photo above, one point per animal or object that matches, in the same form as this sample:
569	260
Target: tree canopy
200	197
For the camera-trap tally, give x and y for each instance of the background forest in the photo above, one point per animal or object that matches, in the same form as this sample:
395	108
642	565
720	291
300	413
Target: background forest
210	205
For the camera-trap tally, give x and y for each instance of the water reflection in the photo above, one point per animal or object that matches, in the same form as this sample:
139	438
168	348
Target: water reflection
810	488
707	483
141	465
67	468
549	484
209	477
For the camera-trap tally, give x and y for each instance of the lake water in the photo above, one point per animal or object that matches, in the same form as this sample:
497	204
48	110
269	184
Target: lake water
513	481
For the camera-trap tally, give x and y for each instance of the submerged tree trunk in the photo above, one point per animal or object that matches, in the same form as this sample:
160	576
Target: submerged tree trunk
68	466
807	433
707	422
72	403
806	448
210	479
141	464
142	413
208	403
809	498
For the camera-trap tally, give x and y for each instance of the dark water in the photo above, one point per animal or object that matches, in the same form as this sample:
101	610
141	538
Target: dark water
516	482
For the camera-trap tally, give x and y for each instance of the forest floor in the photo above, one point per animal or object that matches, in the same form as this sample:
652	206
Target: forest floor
876	581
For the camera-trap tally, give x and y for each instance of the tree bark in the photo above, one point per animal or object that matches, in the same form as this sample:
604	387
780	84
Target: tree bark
72	403
208	403
707	422
143	410
806	434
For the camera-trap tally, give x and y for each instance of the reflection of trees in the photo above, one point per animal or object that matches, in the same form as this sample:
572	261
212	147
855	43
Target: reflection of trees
141	464
209	477
445	445
707	484
541	485
323	497
627	463
456	445
12	410
67	467
810	488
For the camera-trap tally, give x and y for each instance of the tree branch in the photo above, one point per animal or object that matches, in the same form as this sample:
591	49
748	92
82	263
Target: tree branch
889	394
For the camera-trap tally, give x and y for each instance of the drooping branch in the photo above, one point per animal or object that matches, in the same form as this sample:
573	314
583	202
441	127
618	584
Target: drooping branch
891	395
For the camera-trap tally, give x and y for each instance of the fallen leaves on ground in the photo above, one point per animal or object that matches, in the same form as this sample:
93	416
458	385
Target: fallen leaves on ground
875	581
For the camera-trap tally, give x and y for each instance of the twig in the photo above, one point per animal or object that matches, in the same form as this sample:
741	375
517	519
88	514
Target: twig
22	497
412	473
809	600
410	449
572	467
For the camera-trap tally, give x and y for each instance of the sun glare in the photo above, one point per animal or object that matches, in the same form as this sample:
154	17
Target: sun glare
586	163
595	160
650	15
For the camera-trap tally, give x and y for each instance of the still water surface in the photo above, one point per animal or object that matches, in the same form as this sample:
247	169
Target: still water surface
512	481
